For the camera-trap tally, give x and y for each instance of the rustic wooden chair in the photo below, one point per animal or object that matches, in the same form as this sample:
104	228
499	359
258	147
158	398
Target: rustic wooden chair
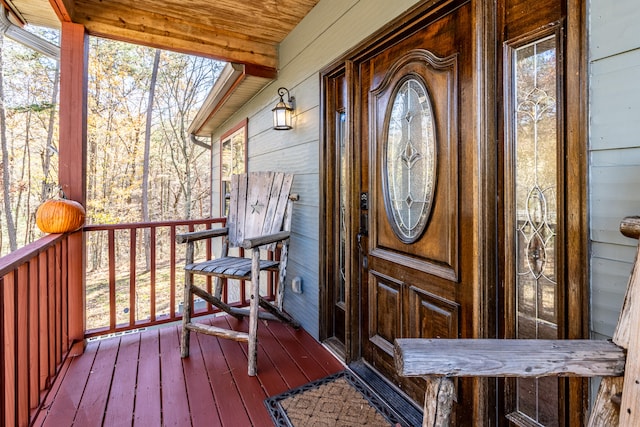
259	218
618	362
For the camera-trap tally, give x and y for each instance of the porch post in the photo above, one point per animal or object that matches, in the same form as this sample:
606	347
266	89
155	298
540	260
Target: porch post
72	161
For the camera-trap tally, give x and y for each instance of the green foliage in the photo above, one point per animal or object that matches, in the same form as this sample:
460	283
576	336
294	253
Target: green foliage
36	108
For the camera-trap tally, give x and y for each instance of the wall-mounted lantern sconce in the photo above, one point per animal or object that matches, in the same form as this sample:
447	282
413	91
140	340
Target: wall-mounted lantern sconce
283	111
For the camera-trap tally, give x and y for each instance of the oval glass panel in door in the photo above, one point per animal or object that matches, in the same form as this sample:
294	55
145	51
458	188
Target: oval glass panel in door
410	163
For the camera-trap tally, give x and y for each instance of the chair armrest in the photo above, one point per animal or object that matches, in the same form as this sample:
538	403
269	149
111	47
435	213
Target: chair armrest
254	242
199	235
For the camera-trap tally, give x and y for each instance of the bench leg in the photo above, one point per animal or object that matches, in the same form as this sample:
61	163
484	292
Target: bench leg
438	402
605	411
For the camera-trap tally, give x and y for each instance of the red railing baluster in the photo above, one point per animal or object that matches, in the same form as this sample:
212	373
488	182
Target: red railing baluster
209	280
57	267
43	322
4	355
9	348
22	358
64	312
34	333
51	310
152	275
132	276
172	273
112	278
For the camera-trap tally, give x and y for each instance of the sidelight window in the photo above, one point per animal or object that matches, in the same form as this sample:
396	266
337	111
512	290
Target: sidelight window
535	206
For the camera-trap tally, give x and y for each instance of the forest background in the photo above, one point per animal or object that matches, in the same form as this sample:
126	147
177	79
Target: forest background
141	163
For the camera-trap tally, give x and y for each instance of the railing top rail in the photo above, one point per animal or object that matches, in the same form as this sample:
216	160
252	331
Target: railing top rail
133	225
16	258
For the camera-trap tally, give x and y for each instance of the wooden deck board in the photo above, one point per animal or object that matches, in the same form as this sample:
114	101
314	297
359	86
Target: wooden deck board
286	374
175	405
61	409
226	395
199	391
249	388
123	387
93	404
298	343
147	409
140	377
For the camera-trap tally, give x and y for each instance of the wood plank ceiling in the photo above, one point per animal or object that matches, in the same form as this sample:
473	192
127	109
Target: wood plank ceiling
246	32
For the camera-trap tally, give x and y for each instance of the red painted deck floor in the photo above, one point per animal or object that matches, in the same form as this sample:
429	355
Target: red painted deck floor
139	379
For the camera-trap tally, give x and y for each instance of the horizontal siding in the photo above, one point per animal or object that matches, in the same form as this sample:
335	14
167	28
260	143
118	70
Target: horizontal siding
615	252
613	196
614	158
614	27
295	160
615	101
304	306
609	282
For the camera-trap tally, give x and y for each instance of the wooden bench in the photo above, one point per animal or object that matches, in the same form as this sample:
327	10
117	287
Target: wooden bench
617	361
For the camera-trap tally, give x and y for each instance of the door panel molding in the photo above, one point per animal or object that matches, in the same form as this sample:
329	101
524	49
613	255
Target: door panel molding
430	266
385	305
431	315
436	251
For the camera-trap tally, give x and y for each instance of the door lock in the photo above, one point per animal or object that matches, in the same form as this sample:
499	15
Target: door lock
364	201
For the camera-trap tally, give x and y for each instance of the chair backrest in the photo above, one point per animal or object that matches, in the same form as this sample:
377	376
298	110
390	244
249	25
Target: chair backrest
259	205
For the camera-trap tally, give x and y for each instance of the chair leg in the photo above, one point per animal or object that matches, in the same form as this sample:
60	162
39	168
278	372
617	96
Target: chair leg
284	257
438	402
217	287
253	313
186	316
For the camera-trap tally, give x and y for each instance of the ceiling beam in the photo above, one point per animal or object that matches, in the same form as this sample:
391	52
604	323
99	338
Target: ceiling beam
63	9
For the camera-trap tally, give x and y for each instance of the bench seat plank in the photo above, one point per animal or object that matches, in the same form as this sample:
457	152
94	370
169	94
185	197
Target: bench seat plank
507	358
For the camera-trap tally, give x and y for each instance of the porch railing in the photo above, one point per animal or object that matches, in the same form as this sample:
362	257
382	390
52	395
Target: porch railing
136	280
34	324
126	291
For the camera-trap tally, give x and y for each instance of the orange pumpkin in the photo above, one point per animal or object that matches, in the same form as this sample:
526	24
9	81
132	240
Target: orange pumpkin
59	216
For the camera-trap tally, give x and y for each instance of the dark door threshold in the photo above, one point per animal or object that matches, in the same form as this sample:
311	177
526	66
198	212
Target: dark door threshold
405	408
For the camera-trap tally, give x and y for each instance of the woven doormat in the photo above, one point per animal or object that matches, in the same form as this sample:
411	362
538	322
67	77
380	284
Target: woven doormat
341	399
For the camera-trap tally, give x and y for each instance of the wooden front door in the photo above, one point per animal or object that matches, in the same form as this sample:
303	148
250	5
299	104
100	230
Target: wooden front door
417	182
436	200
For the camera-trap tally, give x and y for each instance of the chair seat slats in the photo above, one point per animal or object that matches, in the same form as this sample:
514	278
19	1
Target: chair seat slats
233	267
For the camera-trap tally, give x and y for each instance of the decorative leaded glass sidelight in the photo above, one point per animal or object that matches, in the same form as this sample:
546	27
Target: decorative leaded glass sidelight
410	163
535	119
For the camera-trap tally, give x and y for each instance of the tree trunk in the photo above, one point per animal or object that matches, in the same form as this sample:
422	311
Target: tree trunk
6	178
26	170
145	165
50	148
